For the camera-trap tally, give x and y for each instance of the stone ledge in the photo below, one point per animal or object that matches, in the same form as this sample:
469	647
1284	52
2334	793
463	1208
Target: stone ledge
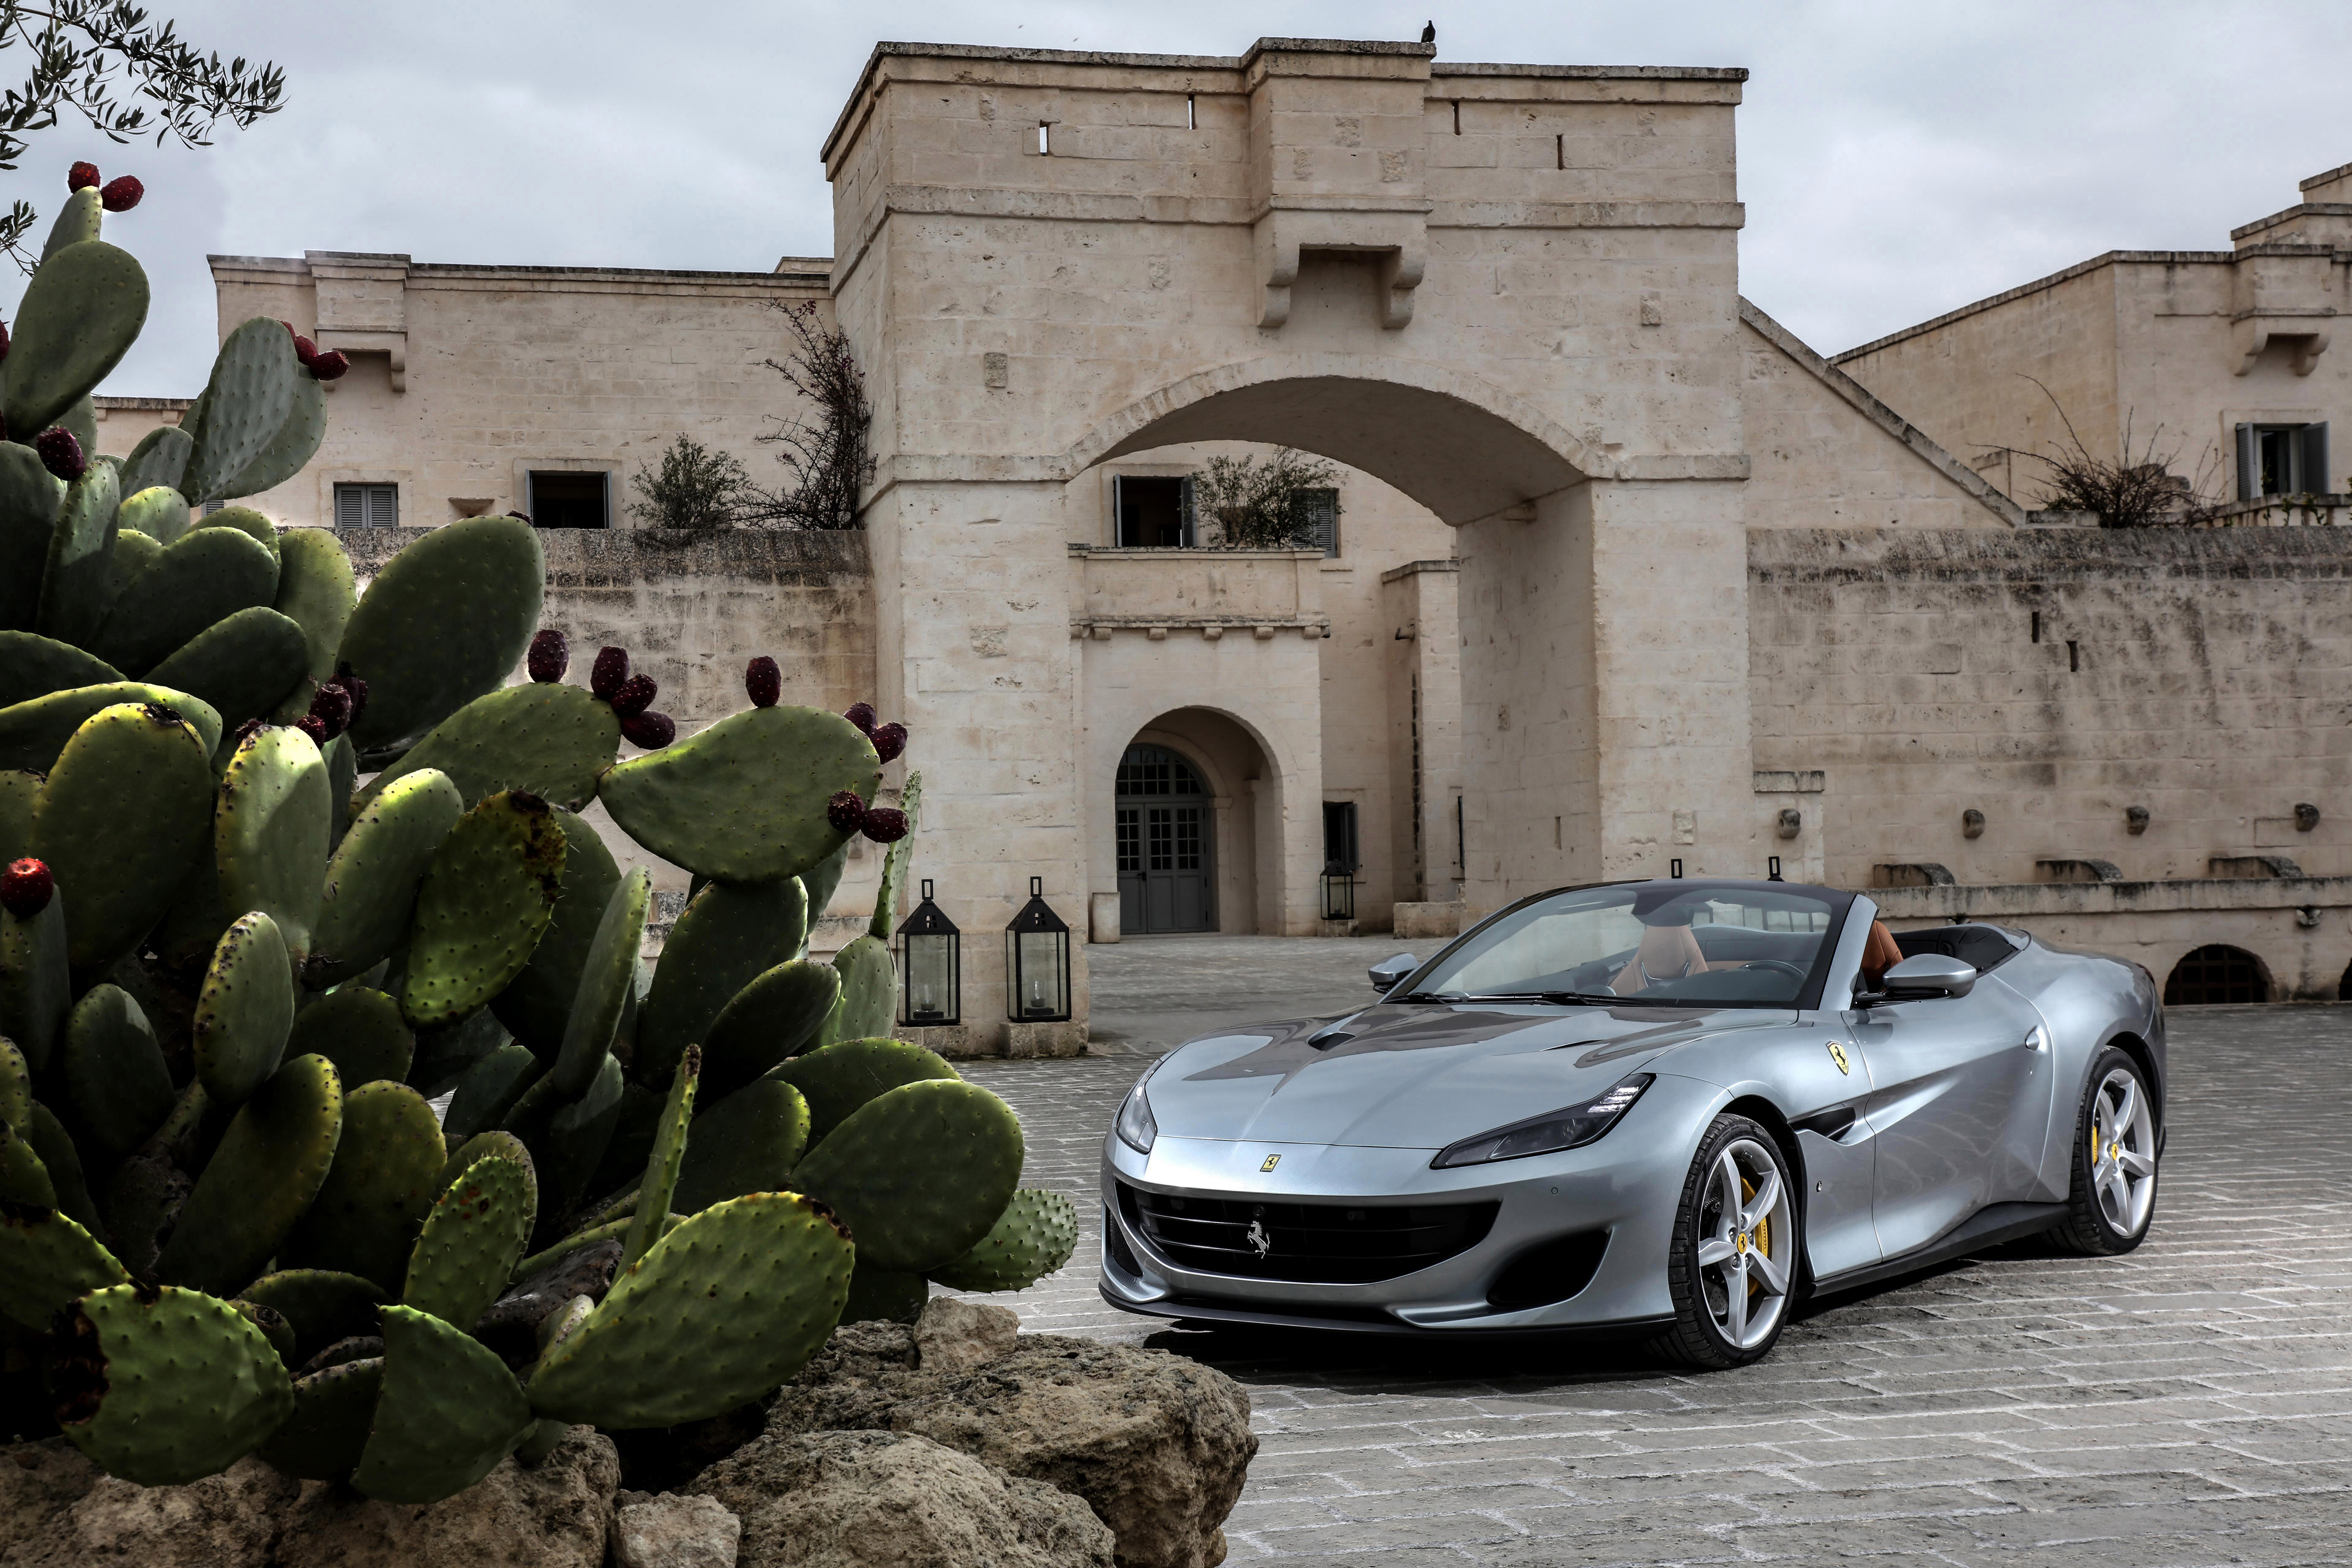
1988	901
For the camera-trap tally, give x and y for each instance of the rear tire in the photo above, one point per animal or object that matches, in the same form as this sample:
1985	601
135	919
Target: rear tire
1733	1264
2111	1196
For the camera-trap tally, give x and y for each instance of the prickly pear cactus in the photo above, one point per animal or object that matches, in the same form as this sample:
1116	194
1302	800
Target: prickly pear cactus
323	1018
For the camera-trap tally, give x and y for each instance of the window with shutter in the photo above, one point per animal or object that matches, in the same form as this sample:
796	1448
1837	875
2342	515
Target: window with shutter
367	505
2312	460
1323	507
2282	460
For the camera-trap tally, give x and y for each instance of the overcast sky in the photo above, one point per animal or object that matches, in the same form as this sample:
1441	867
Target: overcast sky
1896	160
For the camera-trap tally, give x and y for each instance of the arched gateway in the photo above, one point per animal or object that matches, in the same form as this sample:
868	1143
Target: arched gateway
1509	292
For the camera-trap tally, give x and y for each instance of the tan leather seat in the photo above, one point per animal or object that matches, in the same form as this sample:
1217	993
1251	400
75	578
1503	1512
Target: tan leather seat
1879	954
1666	953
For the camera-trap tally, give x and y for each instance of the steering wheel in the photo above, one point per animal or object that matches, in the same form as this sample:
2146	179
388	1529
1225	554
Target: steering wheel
1781	966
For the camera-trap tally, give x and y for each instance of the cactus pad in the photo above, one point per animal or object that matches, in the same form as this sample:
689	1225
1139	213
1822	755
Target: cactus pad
449	1411
905	1218
746	1142
333	1409
161	458
133	554
442	623
76	574
55	1147
608	981
837	1079
32	666
246	405
488	895
114	1074
242	664
33	733
567	1152
165	1387
740	801
316	591
158	511
78	316
884	1294
126	809
296	441
78	220
36	982
1032	1238
359	1030
246	521
271	831
15	1085
869	992
723	1309
209	574
726	939
320	1305
769	1019
552	740
45	1261
366	1217
271	1163
370	893
489	1090
29	496
537	1006
484	1146
661	1165
895	861
24	1176
243	1010
473	1238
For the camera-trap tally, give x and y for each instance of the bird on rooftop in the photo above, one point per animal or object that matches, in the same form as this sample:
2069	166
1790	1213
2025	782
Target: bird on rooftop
1429	31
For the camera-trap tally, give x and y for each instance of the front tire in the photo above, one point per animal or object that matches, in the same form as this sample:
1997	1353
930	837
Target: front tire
1732	1266
2112	1198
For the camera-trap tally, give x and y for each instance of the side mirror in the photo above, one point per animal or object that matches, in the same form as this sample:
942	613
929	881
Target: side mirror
1389	972
1926	976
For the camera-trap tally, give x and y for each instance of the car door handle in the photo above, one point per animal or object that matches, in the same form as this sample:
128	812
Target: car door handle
2036	1038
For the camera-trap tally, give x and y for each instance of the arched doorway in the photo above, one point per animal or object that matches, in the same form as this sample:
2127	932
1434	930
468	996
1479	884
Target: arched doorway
1167	844
2216	973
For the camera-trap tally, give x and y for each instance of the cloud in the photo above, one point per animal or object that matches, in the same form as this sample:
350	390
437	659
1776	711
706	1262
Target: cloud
1896	160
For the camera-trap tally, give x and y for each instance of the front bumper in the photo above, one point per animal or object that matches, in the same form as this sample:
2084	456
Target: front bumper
1626	1184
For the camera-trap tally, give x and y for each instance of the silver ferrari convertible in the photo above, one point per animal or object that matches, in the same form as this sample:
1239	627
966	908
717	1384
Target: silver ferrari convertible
1669	1109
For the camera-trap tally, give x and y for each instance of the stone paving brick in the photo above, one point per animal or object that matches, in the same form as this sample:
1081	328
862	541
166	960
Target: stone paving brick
2188	1405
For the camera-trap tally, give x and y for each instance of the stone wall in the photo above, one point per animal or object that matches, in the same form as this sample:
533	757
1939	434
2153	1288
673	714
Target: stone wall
2205	676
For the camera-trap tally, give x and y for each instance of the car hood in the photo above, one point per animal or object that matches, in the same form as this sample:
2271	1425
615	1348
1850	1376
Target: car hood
1416	1077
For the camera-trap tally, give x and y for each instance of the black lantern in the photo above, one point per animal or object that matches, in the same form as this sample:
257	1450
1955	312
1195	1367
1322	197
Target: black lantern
1037	962
930	964
1339	895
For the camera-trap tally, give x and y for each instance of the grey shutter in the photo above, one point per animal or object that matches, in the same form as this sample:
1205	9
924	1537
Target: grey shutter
2313	480
209	508
2249	464
1324	505
1192	526
351	507
383	505
1118	514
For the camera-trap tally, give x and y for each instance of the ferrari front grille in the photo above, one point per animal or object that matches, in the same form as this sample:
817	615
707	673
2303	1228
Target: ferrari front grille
1312	1243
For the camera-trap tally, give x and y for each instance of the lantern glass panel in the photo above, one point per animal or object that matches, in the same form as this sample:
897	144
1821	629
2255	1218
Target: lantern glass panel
1041	977
1037	962
931	965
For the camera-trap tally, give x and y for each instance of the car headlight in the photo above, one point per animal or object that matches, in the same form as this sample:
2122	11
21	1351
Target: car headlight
1567	1128
1135	1125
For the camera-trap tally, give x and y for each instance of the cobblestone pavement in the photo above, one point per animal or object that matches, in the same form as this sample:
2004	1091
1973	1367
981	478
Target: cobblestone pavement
1152	994
2188	1404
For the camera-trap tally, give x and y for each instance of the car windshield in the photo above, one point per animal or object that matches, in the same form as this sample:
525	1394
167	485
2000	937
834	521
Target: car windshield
1661	944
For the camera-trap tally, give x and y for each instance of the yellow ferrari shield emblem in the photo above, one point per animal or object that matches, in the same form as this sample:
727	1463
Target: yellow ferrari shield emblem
1837	1054
1271	1161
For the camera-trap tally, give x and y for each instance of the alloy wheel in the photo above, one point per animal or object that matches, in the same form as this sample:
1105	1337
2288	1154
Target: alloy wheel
1747	1251
2123	1152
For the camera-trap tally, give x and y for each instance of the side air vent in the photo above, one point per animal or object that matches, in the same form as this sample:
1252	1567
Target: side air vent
1551	1271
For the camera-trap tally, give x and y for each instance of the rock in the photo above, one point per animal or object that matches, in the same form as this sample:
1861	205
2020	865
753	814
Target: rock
889	1499
57	1508
552	1515
510	1324
1156	1444
956	1335
670	1531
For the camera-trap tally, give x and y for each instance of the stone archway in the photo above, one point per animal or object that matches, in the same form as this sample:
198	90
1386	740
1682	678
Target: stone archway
1446	277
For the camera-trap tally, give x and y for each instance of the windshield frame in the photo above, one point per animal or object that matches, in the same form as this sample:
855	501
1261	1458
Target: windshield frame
1808	995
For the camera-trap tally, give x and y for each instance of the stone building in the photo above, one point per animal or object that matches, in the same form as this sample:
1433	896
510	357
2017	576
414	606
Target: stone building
1623	575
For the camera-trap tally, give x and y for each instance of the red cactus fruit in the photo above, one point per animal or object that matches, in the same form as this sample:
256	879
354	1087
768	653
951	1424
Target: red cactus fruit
846	812
330	366
245	732
763	680
889	740
311	725
330	705
358	690
611	668
862	716
305	351
885	824
121	194
636	695
648	730
26	887
81	177
551	656
61	453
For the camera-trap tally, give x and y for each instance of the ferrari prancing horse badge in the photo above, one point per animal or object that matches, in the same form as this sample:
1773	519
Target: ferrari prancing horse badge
1837	1054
